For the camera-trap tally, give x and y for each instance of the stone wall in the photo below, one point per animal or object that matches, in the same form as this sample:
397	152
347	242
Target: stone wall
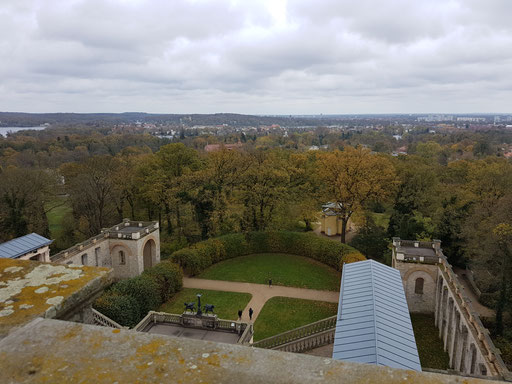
128	248
465	339
421	296
40	254
55	351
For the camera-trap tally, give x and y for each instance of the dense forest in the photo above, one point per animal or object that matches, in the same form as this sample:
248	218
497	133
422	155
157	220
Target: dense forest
68	183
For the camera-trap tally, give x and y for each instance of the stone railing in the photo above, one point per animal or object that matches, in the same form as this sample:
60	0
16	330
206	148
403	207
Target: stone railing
295	335
100	319
148	319
417	243
143	228
309	342
480	333
247	335
78	248
191	320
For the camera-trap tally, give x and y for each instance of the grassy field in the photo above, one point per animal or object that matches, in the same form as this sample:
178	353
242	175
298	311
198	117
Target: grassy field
287	270
281	314
56	214
430	347
226	304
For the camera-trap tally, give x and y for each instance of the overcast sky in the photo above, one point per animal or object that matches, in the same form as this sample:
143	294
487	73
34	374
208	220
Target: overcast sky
256	57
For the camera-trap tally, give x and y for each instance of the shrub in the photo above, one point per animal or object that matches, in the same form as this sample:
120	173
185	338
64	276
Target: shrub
197	258
234	245
169	278
123	309
167	248
143	289
190	260
128	301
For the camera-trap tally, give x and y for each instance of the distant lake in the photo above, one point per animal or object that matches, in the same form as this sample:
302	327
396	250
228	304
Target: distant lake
5	130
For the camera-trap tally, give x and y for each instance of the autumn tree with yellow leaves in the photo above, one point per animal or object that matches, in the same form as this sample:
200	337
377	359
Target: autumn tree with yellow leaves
354	177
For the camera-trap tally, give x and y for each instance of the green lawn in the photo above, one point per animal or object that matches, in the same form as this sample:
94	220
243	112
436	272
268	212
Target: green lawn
56	215
430	346
280	314
226	304
287	270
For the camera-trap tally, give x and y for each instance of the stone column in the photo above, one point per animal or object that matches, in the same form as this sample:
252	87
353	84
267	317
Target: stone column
453	352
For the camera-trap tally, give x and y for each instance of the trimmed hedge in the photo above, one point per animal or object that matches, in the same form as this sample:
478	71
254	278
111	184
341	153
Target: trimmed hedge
200	256
169	278
120	308
129	300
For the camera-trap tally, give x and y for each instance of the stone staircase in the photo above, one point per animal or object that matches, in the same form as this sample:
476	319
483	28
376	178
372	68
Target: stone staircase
302	339
100	319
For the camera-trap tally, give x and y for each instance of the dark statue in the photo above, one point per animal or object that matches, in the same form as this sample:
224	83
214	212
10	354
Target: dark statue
208	308
190	307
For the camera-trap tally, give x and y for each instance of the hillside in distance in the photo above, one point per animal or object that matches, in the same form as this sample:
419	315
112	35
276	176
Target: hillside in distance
22	119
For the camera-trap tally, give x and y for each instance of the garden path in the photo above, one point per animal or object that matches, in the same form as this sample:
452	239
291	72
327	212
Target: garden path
260	292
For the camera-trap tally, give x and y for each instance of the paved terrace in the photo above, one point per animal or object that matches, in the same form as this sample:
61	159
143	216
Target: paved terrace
52	351
192	333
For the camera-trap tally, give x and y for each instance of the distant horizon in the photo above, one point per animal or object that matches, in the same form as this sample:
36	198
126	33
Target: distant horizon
268	114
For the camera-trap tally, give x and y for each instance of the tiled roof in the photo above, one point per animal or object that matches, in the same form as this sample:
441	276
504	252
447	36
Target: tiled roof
374	325
15	248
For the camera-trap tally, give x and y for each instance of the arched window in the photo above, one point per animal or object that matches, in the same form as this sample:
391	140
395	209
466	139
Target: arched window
84	259
122	258
418	287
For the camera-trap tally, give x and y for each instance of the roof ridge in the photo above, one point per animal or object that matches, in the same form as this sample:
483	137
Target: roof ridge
374	316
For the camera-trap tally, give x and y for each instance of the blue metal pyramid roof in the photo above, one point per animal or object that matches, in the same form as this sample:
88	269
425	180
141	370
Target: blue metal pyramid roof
374	325
15	248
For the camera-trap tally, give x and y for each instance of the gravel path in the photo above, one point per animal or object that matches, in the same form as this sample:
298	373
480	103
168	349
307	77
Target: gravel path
482	310
260	293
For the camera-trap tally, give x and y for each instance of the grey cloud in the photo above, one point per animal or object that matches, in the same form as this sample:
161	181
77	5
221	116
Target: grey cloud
330	56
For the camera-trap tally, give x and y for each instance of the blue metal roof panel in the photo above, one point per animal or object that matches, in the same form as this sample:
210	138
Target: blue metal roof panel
15	248
374	325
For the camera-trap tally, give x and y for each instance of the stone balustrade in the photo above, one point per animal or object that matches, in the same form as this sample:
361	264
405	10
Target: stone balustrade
78	248
308	343
203	321
307	332
100	319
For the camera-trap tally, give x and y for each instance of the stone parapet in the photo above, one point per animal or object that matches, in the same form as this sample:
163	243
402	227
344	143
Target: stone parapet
30	289
481	334
58	352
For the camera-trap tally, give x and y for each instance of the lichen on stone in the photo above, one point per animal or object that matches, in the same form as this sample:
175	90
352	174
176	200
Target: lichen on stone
43	274
55	300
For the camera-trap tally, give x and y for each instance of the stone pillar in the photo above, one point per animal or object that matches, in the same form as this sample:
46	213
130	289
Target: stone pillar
444	303
463	354
449	333
453	352
438	301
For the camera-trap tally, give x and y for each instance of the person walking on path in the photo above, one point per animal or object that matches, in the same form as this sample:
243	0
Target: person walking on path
250	313
239	314
270	282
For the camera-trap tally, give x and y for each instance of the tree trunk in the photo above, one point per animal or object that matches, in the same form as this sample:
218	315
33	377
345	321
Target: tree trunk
344	222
